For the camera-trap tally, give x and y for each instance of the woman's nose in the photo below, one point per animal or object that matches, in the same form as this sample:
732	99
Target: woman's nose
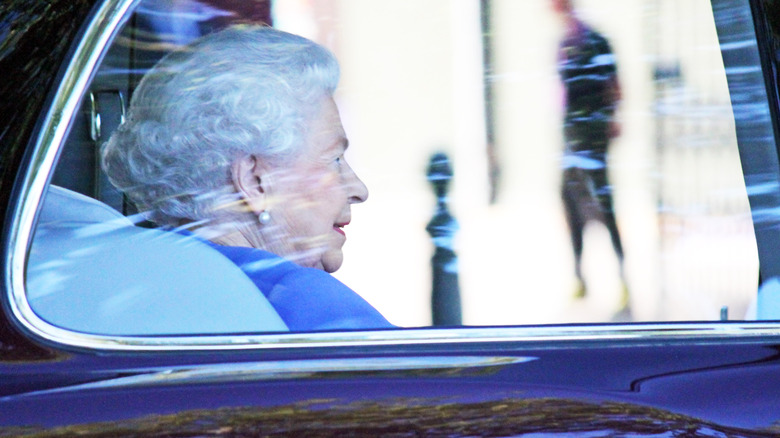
358	192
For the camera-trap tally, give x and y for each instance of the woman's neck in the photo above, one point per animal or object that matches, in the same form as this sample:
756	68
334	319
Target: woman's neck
227	232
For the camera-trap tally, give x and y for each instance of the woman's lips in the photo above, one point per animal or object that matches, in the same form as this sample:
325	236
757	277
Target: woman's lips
338	228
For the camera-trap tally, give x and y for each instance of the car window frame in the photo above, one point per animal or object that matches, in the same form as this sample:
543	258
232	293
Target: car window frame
98	32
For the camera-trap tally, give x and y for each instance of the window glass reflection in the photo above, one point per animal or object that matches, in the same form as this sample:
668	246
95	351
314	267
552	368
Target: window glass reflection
561	161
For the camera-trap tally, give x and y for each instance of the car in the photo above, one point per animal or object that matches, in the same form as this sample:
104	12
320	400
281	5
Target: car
114	326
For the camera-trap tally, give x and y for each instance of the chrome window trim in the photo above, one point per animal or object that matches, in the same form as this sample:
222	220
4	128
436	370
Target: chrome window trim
77	77
696	333
105	22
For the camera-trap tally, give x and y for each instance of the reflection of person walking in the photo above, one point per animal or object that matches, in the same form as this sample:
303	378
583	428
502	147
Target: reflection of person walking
587	69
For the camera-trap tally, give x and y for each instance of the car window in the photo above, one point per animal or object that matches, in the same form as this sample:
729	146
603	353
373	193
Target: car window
276	166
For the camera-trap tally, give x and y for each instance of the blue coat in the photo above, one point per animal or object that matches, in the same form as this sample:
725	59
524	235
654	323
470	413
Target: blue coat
305	298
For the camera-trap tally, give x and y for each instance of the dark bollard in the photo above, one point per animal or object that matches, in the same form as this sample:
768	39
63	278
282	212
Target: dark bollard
445	299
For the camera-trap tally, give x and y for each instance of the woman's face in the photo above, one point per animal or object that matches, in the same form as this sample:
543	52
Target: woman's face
310	197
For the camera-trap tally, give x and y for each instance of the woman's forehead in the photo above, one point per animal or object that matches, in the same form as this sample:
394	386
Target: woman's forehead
326	129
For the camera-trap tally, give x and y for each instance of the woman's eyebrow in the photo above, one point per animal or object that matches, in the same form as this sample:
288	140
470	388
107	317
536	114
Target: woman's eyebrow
342	143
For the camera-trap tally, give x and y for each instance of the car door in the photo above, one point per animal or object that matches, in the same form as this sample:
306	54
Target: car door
112	326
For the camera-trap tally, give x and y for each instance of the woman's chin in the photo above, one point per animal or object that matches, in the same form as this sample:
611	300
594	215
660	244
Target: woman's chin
331	260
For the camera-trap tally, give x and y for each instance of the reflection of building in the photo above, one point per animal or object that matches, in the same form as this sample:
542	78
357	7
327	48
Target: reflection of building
705	225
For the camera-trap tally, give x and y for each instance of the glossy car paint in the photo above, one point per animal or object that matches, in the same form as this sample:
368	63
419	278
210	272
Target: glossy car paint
491	382
458	390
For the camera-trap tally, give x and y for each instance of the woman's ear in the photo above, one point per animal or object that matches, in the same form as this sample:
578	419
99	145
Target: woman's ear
250	181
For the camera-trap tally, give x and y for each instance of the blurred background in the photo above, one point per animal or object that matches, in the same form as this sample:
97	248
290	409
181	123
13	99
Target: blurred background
478	80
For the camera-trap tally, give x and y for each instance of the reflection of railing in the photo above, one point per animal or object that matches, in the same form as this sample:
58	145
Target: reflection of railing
703	215
445	299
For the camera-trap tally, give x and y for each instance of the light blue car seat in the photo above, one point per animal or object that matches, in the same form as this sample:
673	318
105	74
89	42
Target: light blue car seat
91	270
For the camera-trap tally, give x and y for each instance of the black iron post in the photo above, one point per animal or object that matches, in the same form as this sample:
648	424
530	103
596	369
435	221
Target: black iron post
445	299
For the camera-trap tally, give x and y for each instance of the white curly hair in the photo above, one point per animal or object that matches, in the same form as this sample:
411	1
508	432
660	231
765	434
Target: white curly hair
243	90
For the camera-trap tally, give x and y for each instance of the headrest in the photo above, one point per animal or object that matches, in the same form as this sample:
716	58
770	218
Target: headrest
91	270
63	205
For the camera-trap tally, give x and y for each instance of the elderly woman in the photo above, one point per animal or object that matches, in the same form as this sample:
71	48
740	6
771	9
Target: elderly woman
237	139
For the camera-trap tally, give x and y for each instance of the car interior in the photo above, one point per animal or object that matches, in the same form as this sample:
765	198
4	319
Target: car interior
94	264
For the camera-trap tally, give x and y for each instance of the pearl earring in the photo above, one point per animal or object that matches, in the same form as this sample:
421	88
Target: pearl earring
264	217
